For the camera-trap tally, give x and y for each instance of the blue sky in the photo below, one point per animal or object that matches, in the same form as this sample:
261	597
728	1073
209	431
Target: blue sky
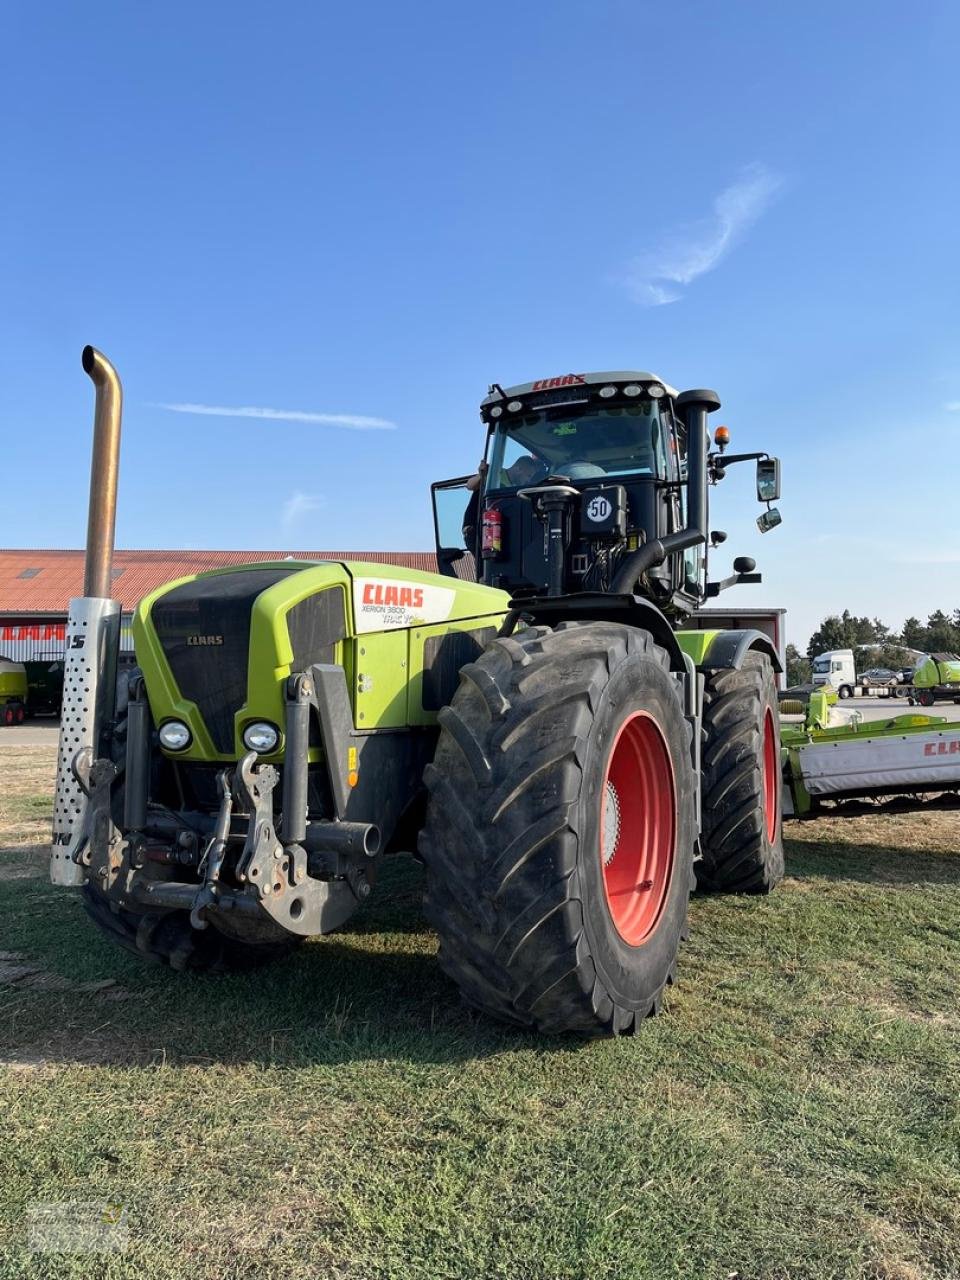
369	212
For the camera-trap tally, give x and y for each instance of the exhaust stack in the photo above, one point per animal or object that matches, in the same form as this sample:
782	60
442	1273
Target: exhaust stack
93	634
104	466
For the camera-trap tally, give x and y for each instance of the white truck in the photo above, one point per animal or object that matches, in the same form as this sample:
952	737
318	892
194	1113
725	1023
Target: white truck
837	669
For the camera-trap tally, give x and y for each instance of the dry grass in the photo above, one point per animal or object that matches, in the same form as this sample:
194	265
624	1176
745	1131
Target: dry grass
26	789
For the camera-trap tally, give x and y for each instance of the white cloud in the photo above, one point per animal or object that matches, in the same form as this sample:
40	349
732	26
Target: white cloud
297	505
653	277
952	406
354	421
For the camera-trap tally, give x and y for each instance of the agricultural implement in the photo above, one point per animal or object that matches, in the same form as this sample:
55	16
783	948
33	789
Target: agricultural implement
936	678
13	692
834	761
567	760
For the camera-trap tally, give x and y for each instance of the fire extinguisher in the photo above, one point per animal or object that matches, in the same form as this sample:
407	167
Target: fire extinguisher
491	538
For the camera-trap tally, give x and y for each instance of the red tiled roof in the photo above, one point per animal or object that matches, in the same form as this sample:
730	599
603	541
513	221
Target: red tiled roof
61	572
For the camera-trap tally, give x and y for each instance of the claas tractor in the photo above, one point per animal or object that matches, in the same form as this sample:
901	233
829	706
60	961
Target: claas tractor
533	722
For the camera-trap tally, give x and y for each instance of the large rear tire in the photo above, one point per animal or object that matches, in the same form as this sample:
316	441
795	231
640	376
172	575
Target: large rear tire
561	827
741	837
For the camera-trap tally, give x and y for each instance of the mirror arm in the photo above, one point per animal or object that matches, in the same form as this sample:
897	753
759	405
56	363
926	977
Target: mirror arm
727	459
735	580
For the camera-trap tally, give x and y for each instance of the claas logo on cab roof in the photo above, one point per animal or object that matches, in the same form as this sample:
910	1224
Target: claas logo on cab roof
568	380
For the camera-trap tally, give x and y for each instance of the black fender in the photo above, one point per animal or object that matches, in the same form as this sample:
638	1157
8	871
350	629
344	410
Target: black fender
731	647
600	606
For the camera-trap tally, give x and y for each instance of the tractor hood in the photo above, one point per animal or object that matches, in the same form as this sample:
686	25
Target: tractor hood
216	649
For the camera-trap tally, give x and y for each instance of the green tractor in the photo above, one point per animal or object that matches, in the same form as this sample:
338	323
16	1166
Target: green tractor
567	760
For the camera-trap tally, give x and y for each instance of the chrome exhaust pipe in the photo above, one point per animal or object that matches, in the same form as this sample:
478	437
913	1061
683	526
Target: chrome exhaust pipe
93	636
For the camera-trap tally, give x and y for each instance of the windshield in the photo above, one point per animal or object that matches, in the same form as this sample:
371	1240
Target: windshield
580	444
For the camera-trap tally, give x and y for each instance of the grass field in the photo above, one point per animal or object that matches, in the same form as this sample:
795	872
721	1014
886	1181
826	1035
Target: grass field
795	1114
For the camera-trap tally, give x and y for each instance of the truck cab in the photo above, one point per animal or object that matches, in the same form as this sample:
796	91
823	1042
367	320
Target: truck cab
837	670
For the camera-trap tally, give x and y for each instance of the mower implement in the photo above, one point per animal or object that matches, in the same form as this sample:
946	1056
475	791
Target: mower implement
567	758
834	757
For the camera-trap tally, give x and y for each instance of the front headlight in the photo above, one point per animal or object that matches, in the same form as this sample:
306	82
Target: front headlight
174	735
262	737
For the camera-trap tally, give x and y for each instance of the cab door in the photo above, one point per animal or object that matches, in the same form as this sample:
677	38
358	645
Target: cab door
456	527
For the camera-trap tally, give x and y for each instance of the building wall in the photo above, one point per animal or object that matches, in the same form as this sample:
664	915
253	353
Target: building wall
25	639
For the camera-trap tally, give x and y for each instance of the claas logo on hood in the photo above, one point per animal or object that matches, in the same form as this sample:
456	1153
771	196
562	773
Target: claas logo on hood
388	593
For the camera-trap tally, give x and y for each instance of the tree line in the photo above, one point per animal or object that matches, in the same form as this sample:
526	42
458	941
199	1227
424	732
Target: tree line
887	648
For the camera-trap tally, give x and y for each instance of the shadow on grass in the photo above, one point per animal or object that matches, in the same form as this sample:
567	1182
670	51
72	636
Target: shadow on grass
374	992
882	865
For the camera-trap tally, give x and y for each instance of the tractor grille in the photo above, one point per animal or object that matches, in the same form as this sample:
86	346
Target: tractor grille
204	628
195	788
314	626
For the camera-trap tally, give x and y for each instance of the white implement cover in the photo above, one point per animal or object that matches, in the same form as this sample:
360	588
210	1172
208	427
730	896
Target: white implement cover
927	760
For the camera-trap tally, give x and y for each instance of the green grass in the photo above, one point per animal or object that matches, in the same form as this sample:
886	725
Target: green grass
794	1114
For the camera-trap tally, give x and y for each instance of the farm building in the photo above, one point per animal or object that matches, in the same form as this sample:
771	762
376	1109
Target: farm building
36	586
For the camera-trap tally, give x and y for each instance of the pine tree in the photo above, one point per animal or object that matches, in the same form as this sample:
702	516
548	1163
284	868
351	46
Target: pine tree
798	667
914	634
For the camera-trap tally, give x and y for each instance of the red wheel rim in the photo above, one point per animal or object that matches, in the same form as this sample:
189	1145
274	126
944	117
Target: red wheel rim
771	776
638	827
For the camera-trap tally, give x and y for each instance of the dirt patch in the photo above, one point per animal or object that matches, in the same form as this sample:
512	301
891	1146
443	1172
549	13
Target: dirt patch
17	971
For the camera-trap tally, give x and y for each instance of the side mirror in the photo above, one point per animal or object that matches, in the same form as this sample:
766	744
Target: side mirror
768	480
717	537
744	564
769	520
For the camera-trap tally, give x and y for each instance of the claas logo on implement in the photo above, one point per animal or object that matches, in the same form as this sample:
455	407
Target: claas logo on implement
568	380
381	593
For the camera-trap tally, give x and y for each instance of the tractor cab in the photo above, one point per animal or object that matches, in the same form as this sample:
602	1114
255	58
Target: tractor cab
595	483
595	461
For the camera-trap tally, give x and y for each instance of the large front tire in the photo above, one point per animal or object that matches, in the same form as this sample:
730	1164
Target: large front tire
741	837
561	827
